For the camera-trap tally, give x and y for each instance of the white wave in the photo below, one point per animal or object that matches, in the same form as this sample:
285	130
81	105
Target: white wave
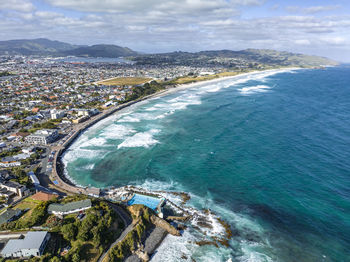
144	139
117	131
89	167
142	116
169	250
254	89
82	153
152	108
165	114
173	248
129	119
95	141
156	185
251	253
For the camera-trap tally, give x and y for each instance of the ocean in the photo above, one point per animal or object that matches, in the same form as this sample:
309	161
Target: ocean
268	152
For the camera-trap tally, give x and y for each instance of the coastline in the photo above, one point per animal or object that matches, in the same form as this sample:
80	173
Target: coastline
68	184
61	179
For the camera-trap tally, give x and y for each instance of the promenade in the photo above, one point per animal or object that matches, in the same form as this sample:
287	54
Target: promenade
57	176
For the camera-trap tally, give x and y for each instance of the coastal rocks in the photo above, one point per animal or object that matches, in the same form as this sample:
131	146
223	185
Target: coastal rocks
165	225
142	254
179	218
211	229
136	210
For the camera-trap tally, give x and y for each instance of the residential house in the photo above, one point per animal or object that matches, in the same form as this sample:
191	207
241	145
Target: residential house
10	215
69	208
14	187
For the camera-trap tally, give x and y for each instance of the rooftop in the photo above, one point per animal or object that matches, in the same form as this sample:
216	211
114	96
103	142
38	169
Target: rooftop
69	206
8	214
32	240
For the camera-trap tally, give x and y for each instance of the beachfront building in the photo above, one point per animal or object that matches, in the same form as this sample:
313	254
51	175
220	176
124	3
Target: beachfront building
44	137
80	119
56	114
33	244
69	208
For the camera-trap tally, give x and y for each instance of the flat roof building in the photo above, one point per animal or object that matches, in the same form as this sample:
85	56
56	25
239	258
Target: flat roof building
33	244
43	137
17	188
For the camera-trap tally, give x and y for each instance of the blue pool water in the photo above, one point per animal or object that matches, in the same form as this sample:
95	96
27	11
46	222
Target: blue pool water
148	201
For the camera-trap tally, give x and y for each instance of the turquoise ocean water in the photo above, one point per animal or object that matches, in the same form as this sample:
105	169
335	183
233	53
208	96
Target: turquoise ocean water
269	152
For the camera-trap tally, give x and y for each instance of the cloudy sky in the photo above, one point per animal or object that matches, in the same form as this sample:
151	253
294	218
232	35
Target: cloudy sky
320	27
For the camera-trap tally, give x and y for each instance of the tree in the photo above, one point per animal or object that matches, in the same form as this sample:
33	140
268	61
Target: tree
76	257
69	231
55	259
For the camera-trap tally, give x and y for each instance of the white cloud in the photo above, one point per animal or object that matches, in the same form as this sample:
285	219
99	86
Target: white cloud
302	42
334	40
312	9
190	25
47	15
17	5
169	6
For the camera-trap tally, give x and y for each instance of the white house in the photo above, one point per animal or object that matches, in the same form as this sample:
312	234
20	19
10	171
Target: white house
69	208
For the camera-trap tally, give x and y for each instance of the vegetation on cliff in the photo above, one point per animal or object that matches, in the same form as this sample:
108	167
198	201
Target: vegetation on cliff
142	222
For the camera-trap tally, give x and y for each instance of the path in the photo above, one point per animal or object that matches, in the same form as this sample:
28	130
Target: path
127	221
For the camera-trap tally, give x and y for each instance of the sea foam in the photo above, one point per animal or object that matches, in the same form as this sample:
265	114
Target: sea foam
142	139
253	89
117	131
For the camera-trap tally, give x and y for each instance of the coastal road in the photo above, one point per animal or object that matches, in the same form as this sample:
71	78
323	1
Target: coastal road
127	222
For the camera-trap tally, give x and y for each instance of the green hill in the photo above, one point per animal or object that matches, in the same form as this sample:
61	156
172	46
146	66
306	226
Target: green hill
101	51
229	58
42	46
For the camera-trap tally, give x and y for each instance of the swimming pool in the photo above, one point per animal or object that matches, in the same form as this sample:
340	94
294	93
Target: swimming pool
151	202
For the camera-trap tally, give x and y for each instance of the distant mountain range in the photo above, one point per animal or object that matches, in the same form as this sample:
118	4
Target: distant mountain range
227	58
42	46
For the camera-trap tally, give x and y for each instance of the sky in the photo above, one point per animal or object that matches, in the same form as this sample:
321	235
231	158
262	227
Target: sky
317	27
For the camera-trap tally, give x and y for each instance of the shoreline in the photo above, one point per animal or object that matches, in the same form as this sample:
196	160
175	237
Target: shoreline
67	184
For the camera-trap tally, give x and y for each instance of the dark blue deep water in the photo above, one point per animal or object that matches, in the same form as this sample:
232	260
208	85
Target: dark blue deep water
268	152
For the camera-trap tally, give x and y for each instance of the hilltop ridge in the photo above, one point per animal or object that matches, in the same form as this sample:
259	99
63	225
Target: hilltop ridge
224	58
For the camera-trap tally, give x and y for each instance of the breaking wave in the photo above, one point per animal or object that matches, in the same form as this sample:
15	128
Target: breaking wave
249	244
254	89
143	139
